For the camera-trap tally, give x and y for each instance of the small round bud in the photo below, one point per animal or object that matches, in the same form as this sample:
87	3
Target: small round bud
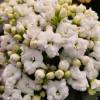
67	74
85	59
13	30
10	15
91	91
12	21
59	74
18	37
15	57
19	65
76	21
33	43
9	53
1	89
76	63
91	44
42	94
50	75
20	28
40	74
26	42
36	97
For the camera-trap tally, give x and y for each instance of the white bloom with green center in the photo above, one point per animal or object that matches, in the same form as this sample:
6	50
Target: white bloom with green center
57	90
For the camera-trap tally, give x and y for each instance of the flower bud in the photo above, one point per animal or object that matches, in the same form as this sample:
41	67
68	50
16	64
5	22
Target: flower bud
19	65
50	75
40	74
36	97
91	91
67	74
18	37
76	63
13	30
1	89
42	94
15	57
59	74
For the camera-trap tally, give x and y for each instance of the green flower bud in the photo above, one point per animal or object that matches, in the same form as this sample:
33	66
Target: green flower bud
1	89
33	43
36	97
12	21
50	75
76	63
19	65
26	42
76	21
91	91
20	29
42	94
1	20
67	74
18	37
17	49
13	30
10	15
59	74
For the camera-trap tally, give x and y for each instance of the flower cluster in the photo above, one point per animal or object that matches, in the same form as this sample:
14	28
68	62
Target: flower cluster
47	46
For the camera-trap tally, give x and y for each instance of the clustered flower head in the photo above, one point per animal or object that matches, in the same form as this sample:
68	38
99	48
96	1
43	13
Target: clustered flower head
47	46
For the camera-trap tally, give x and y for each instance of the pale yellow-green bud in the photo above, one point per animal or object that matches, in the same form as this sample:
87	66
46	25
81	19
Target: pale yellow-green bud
76	63
67	74
42	94
12	21
36	97
15	57
10	15
10	53
76	21
18	37
50	75
33	43
2	89
13	30
63	13
91	91
16	49
72	8
19	65
26	42
40	74
20	28
91	44
59	74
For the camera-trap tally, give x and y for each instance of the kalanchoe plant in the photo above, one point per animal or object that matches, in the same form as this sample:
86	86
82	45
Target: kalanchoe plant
50	50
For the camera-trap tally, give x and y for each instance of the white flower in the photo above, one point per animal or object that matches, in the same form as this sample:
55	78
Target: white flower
32	59
11	75
26	85
64	65
66	28
75	47
96	51
90	69
56	90
78	79
6	42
